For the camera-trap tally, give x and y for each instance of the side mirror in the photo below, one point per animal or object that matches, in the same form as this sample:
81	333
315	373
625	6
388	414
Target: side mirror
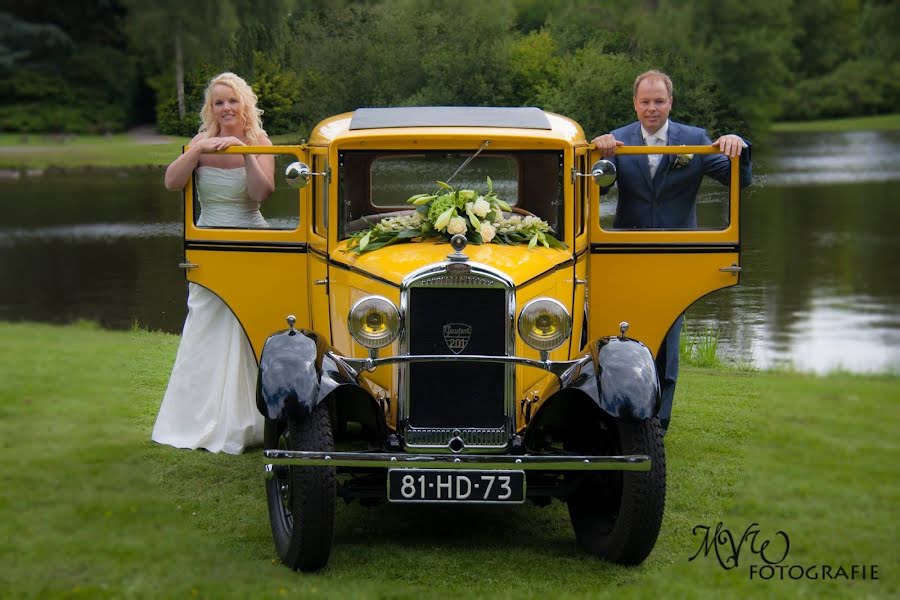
297	175
604	173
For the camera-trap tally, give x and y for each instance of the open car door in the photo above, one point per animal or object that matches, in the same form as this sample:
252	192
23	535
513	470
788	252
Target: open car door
648	277
261	274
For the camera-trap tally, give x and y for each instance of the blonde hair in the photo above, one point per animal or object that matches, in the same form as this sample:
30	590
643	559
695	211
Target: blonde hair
253	130
653	74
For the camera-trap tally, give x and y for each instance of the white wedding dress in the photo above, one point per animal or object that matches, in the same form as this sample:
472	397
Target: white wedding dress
210	401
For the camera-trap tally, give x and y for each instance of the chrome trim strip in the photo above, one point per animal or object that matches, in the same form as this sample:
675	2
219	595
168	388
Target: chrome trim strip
476	439
486	462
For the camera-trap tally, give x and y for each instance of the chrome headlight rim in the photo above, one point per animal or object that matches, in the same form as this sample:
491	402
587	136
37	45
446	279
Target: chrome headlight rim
358	316
558	311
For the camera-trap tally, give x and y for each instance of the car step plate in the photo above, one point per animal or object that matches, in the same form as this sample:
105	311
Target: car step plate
452	486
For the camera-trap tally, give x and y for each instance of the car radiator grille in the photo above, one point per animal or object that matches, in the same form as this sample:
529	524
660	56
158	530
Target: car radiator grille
465	399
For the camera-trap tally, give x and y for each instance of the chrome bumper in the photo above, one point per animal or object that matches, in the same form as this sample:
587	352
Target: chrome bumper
560	368
474	462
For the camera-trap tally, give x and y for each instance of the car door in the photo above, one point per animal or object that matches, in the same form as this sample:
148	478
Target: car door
648	277
260	274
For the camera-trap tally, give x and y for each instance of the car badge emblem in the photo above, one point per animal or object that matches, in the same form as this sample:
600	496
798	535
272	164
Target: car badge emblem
456	336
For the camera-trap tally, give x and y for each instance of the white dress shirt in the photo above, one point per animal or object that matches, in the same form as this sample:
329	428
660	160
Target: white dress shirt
660	138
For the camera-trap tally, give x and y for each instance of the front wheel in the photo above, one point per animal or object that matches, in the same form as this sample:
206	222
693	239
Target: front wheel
617	515
301	499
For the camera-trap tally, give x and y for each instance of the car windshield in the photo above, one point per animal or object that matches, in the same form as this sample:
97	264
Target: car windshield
376	184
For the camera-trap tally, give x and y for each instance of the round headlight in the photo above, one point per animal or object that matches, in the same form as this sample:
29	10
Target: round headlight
544	324
374	322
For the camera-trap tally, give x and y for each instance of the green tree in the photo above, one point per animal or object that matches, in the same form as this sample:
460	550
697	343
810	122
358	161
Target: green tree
65	68
743	45
180	34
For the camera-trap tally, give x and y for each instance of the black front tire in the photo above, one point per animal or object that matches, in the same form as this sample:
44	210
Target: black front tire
302	499
617	515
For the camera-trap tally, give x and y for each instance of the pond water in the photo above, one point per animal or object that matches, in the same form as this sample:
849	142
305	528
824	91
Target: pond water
820	289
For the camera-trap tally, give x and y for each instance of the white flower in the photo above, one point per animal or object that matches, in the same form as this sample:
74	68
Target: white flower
481	208
682	159
487	232
456	225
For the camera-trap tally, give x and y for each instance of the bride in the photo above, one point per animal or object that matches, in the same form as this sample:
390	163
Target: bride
210	400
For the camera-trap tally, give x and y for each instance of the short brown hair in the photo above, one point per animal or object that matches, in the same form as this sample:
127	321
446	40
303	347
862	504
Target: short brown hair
653	74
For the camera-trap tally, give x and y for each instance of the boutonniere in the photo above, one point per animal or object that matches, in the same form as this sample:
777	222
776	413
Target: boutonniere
682	159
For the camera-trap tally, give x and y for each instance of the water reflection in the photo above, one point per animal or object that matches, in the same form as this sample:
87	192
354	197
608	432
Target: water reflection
820	288
833	158
89	232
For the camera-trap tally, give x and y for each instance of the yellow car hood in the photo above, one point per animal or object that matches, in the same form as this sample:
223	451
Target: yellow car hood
393	263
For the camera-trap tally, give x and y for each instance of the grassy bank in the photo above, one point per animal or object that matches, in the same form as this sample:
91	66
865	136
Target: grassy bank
878	123
67	152
91	508
18	152
73	152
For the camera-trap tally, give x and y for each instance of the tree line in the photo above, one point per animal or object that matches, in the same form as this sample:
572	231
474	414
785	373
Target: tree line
75	66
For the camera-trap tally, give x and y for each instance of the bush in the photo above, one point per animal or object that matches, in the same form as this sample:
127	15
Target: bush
855	88
167	120
595	89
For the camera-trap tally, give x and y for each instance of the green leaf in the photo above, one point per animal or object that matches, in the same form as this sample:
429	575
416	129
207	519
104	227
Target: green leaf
441	222
473	219
364	241
490	184
533	242
420	199
555	243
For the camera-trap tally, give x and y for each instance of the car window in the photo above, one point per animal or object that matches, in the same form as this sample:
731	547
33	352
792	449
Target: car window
375	184
221	200
712	210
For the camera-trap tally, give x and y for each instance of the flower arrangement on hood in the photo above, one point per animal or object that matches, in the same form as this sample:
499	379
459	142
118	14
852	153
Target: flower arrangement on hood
449	211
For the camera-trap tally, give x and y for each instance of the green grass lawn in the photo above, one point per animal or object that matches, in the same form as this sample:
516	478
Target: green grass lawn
878	123
41	152
36	151
91	508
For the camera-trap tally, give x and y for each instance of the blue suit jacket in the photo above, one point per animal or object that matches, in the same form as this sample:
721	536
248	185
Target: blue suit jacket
668	200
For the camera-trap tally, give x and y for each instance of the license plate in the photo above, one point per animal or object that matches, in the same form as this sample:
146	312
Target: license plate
444	485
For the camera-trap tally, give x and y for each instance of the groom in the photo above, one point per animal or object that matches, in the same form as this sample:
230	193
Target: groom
655	194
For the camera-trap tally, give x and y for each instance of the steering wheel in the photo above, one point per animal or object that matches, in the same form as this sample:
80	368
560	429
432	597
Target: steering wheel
521	211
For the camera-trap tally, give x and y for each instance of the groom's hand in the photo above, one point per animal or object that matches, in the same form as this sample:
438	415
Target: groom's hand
731	145
607	144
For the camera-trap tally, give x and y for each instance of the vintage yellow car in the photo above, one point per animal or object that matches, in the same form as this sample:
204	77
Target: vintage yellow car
444	312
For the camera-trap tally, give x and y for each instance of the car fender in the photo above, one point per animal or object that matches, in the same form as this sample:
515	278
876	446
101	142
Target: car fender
620	378
627	378
296	374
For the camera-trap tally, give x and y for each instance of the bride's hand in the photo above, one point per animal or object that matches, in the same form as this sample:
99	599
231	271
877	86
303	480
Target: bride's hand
219	143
